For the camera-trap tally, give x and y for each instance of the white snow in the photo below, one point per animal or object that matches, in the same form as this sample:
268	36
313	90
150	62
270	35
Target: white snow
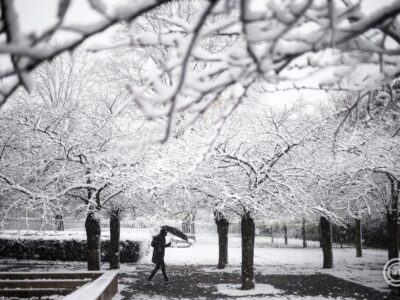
234	290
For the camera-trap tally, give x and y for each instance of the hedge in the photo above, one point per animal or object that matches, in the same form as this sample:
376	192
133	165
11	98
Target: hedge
66	250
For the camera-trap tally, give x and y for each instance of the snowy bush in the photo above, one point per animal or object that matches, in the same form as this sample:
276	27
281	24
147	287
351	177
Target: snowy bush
66	250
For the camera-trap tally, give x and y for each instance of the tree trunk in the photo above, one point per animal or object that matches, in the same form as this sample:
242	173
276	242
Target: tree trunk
392	225
340	233
320	235
93	230
393	236
358	238
222	228
193	225
326	242
248	235
59	222
285	231
303	228
272	234
114	238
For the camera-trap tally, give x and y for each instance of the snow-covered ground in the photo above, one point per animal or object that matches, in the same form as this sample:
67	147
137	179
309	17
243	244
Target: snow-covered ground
366	270
233	290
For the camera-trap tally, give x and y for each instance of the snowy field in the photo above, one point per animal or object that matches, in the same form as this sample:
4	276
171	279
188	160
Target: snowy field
366	270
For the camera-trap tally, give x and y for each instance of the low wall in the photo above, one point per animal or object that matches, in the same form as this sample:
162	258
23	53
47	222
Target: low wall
91	285
103	288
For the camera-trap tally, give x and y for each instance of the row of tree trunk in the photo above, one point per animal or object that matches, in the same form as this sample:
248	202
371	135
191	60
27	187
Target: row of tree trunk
248	238
93	231
285	233
392	220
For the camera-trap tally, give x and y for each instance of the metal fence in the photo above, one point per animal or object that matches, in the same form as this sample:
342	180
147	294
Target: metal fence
205	233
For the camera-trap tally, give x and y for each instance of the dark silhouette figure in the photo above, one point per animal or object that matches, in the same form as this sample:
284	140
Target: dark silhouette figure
159	246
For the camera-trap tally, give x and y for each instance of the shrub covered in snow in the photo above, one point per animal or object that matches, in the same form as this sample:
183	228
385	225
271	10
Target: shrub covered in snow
66	250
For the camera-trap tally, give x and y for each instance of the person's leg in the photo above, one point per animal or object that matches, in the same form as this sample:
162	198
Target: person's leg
156	268
164	271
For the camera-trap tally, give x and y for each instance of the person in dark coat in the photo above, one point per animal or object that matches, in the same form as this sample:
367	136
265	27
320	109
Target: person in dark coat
159	246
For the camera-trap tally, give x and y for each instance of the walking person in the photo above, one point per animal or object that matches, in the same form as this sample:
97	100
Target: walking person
159	246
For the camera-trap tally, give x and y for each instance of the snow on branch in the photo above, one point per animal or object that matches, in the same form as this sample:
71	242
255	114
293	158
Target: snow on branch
220	44
33	51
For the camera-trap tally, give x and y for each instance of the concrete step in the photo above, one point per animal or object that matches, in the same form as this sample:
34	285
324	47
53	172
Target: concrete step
27	293
50	275
43	283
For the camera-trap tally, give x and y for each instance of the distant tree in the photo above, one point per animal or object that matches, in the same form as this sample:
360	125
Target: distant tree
362	176
60	145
